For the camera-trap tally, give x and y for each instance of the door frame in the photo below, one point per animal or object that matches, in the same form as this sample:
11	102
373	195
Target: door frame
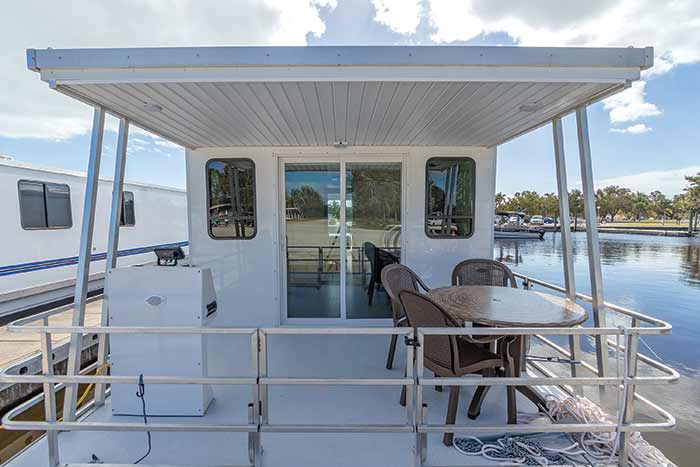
342	160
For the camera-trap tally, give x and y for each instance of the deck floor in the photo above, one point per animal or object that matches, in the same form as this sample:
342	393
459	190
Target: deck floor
299	356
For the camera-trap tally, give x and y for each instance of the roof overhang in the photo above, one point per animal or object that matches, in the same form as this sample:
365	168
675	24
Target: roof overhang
362	95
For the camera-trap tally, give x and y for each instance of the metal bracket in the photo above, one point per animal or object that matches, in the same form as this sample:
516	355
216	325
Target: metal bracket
538	358
411	341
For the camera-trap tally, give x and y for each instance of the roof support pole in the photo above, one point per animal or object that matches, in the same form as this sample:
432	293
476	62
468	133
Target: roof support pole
83	272
584	151
565	228
112	248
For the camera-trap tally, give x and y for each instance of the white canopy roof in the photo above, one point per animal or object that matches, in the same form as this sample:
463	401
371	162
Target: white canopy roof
362	95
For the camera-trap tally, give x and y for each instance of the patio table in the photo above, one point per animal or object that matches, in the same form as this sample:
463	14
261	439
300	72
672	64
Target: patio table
508	307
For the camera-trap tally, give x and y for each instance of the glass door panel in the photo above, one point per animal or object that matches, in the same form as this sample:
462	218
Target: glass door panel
373	232
312	221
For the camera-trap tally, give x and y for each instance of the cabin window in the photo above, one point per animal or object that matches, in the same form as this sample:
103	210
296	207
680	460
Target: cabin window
231	197
128	216
44	205
449	197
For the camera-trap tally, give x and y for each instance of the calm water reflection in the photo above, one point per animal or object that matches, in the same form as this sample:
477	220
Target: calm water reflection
655	275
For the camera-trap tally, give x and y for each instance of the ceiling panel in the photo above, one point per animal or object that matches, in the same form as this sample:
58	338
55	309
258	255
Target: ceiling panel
371	113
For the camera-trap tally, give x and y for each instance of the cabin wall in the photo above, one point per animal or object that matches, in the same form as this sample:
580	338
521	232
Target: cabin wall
246	272
160	218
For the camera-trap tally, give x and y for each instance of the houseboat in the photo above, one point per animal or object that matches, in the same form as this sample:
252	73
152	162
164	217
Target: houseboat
311	172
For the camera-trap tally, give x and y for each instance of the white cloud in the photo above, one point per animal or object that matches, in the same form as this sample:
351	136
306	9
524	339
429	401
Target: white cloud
633	129
672	28
670	182
400	16
28	109
630	105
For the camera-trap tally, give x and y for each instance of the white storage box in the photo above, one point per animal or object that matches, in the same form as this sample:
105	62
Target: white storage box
160	296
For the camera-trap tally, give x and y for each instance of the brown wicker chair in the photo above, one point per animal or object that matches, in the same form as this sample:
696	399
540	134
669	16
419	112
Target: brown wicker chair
483	272
378	260
446	356
395	278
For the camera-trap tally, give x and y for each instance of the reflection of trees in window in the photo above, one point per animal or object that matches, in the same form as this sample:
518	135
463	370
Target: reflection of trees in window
231	198
308	201
450	197
376	195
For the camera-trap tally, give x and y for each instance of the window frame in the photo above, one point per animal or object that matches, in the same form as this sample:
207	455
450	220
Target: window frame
46	213
426	213
255	197
122	216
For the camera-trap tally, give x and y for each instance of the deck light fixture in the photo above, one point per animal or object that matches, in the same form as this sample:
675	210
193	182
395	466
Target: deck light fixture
531	107
341	144
152	108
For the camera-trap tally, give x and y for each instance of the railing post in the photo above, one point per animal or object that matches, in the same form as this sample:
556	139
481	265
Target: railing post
84	257
49	396
632	347
112	249
598	302
419	454
565	229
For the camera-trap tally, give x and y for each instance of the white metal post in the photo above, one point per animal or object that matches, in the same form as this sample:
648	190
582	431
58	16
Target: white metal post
565	228
596	275
112	248
83	272
49	396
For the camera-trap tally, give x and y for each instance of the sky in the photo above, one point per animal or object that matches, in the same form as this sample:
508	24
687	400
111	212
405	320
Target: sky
645	138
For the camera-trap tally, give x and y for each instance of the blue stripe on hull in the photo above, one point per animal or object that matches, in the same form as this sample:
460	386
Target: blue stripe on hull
60	262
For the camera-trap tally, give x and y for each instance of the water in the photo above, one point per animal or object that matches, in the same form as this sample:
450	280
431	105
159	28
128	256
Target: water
659	276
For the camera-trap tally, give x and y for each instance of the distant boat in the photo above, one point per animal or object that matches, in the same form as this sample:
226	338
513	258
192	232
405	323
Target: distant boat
512	225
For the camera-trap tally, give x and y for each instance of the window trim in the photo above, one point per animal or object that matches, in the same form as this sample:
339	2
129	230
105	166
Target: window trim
255	196
121	211
427	199
44	183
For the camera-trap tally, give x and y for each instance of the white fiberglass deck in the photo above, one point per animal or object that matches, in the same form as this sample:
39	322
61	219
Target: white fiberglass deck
299	356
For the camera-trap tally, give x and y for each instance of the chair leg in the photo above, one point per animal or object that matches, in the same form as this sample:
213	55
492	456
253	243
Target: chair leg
451	414
370	291
479	396
402	401
392	351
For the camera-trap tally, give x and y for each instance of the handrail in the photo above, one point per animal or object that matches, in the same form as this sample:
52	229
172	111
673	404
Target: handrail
414	381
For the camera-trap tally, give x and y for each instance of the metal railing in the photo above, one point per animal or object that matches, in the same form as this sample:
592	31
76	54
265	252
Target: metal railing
414	381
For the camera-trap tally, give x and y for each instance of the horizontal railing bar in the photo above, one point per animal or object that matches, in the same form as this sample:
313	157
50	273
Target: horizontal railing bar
340	381
398	428
663	325
547	381
672	375
387	331
121	426
528	331
153	465
49	313
111	379
127	330
539	428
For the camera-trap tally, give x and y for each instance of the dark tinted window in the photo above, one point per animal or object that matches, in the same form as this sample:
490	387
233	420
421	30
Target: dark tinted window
449	197
128	217
44	205
231	185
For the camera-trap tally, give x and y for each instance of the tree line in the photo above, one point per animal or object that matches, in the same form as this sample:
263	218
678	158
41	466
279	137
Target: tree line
613	202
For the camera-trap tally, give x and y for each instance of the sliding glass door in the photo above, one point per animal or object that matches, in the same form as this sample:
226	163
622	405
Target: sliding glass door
342	224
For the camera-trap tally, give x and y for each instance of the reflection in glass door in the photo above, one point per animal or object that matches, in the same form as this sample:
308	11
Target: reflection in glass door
312	222
326	202
373	223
